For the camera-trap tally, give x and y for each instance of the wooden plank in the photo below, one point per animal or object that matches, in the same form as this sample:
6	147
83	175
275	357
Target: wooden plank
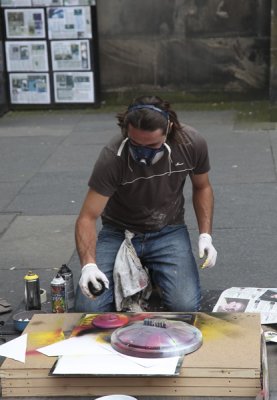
235	373
122	382
132	391
190	372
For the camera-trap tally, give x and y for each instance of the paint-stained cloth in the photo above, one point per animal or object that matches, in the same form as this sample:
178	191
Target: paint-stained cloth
132	285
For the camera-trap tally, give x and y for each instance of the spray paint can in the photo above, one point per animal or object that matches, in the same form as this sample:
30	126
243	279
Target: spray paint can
58	294
32	291
67	275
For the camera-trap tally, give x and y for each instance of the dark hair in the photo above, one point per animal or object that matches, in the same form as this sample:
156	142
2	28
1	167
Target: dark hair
149	119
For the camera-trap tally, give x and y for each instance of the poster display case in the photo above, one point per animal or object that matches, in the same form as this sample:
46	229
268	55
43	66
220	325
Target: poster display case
50	52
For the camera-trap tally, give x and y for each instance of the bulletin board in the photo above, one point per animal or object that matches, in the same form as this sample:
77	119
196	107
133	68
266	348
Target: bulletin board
51	53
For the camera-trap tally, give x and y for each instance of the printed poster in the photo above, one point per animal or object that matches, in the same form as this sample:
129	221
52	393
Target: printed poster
29	88
70	55
69	22
47	3
79	2
74	87
26	56
25	23
16	3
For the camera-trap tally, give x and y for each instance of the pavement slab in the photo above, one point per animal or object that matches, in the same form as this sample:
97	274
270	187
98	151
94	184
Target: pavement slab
37	242
246	258
51	193
273	139
9	191
78	157
21	158
5	222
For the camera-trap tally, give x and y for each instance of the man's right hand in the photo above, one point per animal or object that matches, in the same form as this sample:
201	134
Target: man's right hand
91	273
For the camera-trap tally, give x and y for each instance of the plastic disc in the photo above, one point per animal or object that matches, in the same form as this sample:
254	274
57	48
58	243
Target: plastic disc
156	338
107	321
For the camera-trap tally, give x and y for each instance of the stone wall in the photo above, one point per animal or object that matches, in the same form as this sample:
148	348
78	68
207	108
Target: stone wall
185	45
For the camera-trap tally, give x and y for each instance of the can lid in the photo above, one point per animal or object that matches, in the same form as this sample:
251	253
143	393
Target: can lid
30	276
64	269
58	280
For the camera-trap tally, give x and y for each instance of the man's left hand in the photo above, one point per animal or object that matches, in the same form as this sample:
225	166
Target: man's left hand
206	248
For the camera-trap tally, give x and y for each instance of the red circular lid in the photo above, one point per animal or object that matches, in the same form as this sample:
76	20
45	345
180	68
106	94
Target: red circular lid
110	320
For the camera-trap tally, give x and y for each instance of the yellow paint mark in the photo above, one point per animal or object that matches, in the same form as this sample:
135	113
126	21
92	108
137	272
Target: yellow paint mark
44	338
214	327
84	324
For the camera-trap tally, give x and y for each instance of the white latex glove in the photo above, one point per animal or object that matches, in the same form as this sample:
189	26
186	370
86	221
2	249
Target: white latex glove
207	249
91	273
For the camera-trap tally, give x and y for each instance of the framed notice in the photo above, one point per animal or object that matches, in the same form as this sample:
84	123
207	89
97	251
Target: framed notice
16	3
47	3
70	55
69	22
74	87
26	56
79	2
29	88
25	23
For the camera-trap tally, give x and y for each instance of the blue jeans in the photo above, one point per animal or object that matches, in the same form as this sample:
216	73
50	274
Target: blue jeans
168	256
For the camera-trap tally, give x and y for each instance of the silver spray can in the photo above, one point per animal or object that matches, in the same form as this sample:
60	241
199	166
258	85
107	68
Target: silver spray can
58	294
32	291
67	275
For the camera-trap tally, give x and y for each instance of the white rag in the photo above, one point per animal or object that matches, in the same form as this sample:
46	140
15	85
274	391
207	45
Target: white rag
132	285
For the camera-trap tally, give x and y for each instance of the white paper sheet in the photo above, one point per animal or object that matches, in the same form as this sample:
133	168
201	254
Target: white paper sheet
15	349
112	364
87	345
143	362
73	346
270	336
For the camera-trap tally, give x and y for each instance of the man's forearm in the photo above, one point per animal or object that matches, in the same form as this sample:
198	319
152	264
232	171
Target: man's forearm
85	238
203	202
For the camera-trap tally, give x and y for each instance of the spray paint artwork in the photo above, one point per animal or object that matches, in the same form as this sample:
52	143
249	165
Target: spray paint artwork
164	341
138	344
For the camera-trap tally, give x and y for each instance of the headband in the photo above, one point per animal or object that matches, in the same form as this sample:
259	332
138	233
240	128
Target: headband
149	107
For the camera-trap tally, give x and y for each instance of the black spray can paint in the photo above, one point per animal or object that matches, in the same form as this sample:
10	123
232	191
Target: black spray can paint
32	291
58	294
67	275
